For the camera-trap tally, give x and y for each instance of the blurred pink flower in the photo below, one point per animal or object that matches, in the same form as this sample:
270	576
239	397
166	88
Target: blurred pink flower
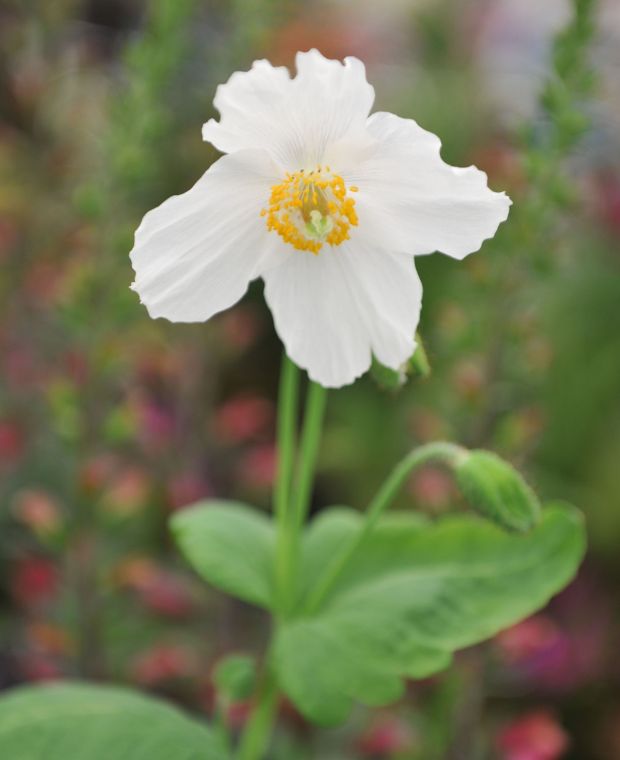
96	471
528	638
164	662
562	653
606	194
38	667
258	467
385	736
167	595
238	713
12	442
156	425
243	418
36	509
127	493
240	326
186	488
432	487
161	591
586	613
539	651
34	580
535	736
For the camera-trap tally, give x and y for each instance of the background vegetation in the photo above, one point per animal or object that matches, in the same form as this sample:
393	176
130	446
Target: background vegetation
110	421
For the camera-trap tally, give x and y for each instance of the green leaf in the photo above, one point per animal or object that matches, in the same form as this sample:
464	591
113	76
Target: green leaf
496	490
230	545
414	593
71	720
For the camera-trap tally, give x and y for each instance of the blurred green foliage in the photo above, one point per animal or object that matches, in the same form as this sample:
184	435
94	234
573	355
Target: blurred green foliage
108	421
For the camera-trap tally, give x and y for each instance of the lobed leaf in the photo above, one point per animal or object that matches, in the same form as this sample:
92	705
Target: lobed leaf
415	593
71	720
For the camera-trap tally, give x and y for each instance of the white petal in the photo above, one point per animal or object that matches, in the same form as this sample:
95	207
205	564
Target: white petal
253	106
297	120
333	310
334	100
196	253
410	200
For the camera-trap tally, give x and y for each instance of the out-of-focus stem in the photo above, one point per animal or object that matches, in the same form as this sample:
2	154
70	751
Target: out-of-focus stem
258	728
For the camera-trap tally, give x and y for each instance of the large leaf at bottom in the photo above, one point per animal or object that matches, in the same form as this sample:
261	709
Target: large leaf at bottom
231	546
416	592
70	721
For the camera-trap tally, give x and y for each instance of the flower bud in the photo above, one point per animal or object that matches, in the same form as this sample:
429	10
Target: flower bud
495	489
393	379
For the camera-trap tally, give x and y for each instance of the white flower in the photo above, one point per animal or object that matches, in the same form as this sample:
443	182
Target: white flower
327	205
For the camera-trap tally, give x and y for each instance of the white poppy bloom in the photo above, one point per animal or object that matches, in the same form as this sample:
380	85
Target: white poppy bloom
327	204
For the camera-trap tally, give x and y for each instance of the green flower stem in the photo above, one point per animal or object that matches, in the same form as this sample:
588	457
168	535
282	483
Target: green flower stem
290	507
302	491
220	727
288	399
258	728
436	451
310	439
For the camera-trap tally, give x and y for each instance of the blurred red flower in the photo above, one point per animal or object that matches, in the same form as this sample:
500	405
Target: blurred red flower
384	737
127	492
164	662
34	580
167	595
259	466
12	441
186	488
528	638
607	200
37	667
432	487
240	326
534	736
243	418
36	509
161	591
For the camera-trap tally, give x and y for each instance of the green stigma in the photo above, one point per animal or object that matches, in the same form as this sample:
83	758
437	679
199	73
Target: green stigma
319	226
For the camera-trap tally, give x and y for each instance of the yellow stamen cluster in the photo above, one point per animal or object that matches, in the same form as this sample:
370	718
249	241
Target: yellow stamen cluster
310	208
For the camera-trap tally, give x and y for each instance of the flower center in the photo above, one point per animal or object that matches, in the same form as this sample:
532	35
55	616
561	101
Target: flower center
310	208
